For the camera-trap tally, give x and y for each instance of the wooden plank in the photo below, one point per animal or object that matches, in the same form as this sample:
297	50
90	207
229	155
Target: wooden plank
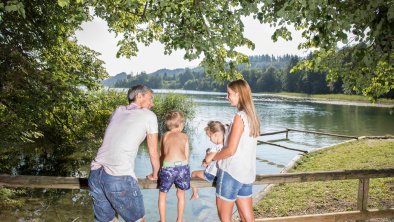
43	182
323	176
81	183
72	182
284	147
337	216
273	133
321	133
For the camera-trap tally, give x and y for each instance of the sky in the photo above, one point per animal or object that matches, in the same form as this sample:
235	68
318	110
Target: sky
96	36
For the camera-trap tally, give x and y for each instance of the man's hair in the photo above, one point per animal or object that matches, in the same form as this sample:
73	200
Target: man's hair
133	92
174	119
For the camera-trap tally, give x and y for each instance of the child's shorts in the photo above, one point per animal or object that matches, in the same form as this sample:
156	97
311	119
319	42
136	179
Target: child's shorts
209	177
178	175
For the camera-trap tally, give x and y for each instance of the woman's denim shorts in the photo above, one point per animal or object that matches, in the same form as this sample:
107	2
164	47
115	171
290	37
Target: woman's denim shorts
228	188
209	177
115	194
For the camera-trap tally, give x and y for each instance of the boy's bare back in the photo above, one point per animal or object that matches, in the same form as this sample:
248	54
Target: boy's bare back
174	146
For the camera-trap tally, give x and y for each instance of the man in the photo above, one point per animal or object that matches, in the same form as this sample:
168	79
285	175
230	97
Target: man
112	181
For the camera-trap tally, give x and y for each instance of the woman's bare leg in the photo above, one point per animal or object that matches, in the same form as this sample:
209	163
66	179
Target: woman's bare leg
225	209
245	209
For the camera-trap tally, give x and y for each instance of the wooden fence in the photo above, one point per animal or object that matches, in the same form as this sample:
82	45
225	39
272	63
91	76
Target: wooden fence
362	200
302	131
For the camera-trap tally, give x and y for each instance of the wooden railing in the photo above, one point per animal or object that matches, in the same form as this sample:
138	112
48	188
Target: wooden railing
362	200
363	213
287	130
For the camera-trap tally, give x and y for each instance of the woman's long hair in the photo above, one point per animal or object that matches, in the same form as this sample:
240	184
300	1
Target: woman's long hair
246	104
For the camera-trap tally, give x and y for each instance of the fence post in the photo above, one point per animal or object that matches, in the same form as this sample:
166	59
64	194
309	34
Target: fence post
287	133
362	198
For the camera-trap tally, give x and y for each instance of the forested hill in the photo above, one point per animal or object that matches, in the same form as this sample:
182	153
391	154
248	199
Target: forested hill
265	74
176	78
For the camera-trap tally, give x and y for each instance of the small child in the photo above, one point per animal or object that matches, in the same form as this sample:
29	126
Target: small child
215	130
175	167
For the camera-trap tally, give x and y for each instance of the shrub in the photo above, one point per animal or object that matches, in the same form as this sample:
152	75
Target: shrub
165	103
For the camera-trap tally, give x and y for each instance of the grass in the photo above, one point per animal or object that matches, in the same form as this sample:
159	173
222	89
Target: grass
340	97
333	196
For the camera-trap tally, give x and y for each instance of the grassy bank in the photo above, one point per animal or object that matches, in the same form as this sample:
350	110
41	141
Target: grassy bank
333	196
335	97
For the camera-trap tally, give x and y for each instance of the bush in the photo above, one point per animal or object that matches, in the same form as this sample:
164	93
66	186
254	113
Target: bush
165	103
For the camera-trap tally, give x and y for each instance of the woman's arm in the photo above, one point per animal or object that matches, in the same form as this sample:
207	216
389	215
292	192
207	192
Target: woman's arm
209	156
233	139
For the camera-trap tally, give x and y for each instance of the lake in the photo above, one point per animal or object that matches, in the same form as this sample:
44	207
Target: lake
276	113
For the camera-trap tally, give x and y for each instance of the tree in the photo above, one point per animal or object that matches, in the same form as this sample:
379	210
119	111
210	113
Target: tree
268	81
365	27
42	69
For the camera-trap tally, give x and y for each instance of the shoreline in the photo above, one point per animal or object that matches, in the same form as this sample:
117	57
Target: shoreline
278	95
329	101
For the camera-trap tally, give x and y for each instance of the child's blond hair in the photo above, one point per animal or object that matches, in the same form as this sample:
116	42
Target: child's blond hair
174	119
214	126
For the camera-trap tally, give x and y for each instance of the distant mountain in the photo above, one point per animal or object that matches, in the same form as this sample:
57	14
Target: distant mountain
168	72
161	72
113	79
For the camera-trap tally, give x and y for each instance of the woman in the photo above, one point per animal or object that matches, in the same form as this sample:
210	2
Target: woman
237	160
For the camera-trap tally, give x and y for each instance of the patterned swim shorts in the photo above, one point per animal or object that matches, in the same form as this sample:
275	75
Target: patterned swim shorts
178	175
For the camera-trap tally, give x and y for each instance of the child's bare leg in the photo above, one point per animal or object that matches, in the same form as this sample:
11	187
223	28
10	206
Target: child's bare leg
194	193
162	206
196	174
181	204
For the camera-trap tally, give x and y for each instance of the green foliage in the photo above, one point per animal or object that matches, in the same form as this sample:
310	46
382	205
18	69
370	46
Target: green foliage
208	29
365	64
165	103
7	198
69	138
42	69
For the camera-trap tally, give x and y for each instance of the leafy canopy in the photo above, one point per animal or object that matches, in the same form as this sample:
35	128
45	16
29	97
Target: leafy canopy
365	28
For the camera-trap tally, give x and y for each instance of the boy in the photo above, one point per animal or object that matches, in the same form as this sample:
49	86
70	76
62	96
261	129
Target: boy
175	168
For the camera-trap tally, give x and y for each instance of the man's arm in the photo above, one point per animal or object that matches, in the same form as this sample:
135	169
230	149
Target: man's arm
151	140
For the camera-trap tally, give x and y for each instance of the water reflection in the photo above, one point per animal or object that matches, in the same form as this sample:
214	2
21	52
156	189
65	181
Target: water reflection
275	114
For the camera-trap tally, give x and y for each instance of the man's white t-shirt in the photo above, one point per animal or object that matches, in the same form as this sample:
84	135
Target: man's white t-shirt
127	129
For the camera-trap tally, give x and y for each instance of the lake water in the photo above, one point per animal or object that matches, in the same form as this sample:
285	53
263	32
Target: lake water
276	114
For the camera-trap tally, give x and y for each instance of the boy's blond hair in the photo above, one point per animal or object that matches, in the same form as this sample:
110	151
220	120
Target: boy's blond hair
174	119
214	126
